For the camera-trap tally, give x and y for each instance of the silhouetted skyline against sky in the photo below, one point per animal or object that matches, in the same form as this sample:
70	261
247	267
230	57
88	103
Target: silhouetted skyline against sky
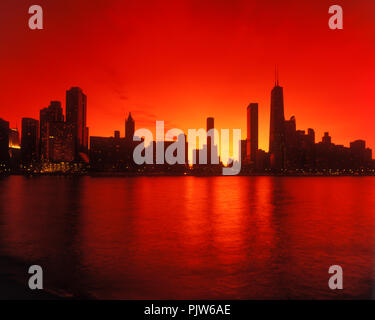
182	61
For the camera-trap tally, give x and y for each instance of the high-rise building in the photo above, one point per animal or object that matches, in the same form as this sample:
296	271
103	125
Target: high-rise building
14	149
29	140
129	128
14	139
368	155
61	142
183	137
76	112
252	132
360	155
311	135
210	125
277	145
358	146
54	113
4	142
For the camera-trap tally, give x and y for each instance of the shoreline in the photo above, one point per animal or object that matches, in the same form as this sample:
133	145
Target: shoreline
132	175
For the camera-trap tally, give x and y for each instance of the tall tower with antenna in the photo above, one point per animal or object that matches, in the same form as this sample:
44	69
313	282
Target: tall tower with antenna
277	145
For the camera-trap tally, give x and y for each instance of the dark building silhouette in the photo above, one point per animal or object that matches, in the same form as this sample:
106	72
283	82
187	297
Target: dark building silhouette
360	155
181	138
208	155
76	112
61	142
210	124
129	128
358	146
262	161
4	144
14	139
300	149
311	134
291	140
10	148
184	138
330	156
30	140
112	153
252	132
326	138
206	161
244	150
277	144
54	113
14	149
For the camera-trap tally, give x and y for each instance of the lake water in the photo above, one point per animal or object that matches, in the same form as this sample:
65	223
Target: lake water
192	238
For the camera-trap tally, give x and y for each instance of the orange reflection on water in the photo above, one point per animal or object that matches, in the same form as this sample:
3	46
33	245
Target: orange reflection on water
187	237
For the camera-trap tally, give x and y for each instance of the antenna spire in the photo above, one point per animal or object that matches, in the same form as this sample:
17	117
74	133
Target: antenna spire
277	75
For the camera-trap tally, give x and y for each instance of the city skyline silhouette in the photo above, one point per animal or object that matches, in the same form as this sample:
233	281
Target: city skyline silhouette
55	138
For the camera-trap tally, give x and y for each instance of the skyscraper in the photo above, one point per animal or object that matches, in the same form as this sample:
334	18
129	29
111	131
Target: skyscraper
210	124
4	142
252	131
129	128
14	139
76	111
29	140
14	148
311	135
61	142
277	145
53	113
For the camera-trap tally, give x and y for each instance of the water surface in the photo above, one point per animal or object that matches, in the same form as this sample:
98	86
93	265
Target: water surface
192	238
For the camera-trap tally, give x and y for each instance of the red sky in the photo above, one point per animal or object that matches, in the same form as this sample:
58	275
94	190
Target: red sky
184	60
